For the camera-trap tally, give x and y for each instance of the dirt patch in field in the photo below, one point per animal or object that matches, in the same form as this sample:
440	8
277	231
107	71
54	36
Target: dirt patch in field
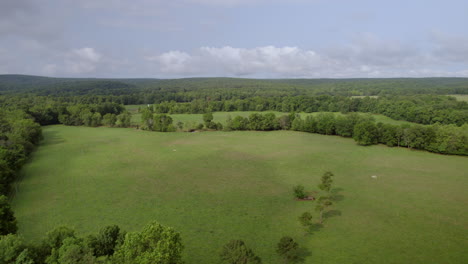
308	198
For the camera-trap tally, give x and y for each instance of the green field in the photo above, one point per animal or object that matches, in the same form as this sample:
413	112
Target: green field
218	186
222	116
460	97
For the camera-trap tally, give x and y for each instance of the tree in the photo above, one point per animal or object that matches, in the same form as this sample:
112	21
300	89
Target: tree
105	242
73	251
207	117
147	119
163	123
155	244
327	180
7	218
322	203
236	252
11	247
299	192
365	133
288	249
305	219
124	120
109	119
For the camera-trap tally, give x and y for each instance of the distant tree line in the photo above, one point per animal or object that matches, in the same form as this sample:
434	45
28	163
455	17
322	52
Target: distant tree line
147	91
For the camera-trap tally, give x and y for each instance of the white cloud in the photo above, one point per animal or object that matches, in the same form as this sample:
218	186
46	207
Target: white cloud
239	62
369	57
84	60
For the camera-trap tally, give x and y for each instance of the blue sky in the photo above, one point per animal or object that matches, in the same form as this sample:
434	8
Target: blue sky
238	38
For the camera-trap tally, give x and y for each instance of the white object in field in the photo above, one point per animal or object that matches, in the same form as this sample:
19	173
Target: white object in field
374	176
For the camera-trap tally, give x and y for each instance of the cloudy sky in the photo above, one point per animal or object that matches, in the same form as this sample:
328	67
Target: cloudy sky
238	38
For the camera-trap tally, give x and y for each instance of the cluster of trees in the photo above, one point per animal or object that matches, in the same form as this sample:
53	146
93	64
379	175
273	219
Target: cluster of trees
108	114
324	201
155	244
50	111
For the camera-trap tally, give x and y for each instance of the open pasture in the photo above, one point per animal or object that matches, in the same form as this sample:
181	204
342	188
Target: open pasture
218	186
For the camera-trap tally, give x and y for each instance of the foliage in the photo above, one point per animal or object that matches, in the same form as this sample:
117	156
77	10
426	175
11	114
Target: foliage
365	133
299	192
288	249
106	241
155	244
11	246
236	252
326	181
305	219
7	219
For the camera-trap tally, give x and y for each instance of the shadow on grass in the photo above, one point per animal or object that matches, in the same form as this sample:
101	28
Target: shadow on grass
302	254
335	194
51	138
313	228
331	213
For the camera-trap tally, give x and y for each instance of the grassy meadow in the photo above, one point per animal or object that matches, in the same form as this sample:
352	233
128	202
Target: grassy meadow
218	186
460	97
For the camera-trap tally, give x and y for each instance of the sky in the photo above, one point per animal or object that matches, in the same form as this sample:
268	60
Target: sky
234	38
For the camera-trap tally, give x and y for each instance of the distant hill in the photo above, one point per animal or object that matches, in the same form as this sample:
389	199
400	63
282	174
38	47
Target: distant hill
39	85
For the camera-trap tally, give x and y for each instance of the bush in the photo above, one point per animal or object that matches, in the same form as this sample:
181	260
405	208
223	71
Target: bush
299	192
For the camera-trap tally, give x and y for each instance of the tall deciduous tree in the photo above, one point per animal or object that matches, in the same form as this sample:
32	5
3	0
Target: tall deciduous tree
155	244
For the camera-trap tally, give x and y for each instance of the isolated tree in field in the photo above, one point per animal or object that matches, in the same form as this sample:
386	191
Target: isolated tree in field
147	119
299	192
322	204
288	249
305	219
327	180
236	252
7	219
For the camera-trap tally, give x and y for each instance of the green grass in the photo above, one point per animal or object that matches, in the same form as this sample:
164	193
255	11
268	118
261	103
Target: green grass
218	186
460	97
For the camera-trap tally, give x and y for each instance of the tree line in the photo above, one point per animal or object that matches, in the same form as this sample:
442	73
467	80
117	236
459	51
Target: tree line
19	135
422	109
154	244
444	139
